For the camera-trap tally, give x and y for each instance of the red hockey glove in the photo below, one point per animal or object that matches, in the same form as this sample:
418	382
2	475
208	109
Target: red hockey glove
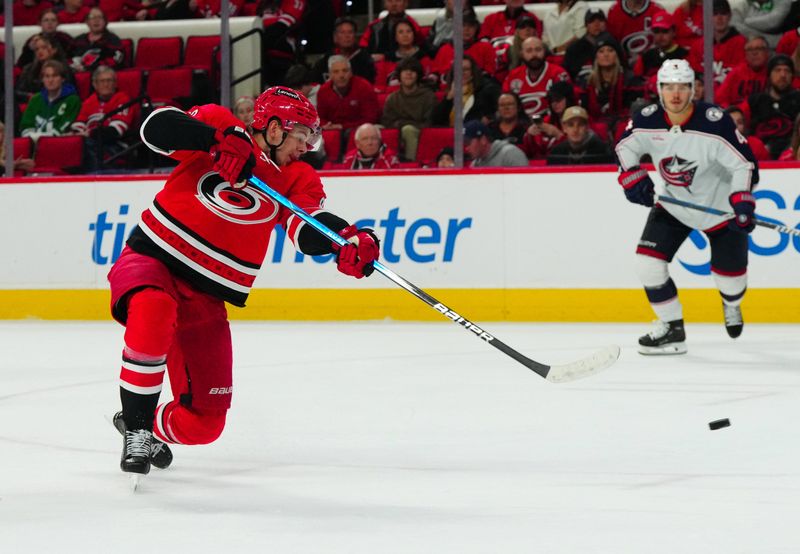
233	156
744	205
355	259
638	186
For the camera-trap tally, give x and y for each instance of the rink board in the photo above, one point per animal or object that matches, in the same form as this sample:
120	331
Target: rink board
521	245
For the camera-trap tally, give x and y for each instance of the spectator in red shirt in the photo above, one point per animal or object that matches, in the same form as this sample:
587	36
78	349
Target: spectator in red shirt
532	80
370	152
345	101
688	19
103	132
386	78
787	43
629	23
728	42
73	12
479	50
28	12
509	51
756	145
498	26
746	78
378	38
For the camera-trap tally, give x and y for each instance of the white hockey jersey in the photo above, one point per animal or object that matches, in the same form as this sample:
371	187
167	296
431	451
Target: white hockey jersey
703	161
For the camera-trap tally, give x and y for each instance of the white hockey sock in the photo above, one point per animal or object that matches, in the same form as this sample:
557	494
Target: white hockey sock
731	288
659	287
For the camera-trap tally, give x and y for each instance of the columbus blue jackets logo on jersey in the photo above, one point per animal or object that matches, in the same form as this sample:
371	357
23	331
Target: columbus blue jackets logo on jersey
676	171
248	206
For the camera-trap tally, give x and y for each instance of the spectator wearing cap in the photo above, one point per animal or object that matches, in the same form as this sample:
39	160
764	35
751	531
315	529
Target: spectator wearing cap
664	48
410	108
747	77
610	88
346	100
479	96
581	146
564	24
728	42
756	145
510	122
378	38
479	50
629	23
370	152
509	50
446	158
485	152
579	57
772	112
500	25
345	44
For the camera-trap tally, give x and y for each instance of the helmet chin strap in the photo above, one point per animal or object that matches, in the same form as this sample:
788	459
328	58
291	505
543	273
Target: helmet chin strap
273	149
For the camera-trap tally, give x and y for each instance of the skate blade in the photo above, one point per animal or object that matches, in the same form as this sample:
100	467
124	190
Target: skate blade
666	350
135	481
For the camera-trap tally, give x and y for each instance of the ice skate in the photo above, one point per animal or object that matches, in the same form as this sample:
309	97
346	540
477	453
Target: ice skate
160	453
668	338
733	320
136	446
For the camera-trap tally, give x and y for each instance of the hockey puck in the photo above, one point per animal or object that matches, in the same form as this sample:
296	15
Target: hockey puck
719	424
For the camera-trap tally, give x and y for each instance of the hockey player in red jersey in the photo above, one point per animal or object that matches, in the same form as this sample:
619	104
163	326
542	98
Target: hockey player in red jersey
200	244
702	158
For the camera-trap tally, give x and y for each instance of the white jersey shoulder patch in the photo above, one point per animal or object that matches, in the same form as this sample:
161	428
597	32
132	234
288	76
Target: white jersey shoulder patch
714	114
647	111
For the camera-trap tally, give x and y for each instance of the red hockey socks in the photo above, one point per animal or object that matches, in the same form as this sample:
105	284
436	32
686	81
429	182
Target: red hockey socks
177	424
148	335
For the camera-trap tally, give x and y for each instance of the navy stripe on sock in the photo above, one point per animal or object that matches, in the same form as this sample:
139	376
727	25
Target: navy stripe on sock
657	295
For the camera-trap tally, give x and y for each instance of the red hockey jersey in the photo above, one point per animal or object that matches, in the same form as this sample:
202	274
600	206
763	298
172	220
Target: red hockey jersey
93	110
533	94
632	30
211	234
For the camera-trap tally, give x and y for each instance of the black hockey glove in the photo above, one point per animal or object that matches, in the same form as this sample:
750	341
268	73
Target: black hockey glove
744	206
233	156
638	186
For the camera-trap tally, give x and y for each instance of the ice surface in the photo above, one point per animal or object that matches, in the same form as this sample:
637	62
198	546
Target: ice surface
415	438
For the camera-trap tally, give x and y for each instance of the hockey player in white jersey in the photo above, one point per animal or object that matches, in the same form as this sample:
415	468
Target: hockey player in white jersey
703	159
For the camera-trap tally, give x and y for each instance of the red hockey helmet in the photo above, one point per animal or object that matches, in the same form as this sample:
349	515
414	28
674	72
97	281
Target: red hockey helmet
289	107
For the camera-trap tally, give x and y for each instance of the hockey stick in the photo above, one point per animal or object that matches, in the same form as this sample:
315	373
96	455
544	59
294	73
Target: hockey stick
555	374
709	210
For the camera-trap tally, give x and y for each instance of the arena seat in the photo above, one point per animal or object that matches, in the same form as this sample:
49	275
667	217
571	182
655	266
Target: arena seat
23	147
332	138
169	86
199	52
130	81
431	142
127	49
58	155
83	82
158	52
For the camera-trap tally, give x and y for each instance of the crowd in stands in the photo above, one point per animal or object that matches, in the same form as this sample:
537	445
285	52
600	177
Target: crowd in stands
552	90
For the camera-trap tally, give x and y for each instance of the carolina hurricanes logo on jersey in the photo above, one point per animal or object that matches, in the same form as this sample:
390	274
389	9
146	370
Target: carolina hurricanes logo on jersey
677	172
636	43
246	206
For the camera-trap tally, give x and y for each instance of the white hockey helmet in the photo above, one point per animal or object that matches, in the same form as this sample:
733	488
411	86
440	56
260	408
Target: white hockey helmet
675	71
